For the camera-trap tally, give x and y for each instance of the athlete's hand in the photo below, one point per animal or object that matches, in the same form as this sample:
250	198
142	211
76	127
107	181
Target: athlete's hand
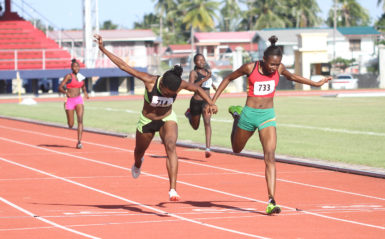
211	109
99	40
323	81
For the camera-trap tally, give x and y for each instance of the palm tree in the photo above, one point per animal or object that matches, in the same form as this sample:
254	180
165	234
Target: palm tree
161	8
199	14
268	13
231	13
349	13
383	4
305	13
149	20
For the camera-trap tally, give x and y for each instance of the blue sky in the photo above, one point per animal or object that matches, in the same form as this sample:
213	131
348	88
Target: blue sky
68	14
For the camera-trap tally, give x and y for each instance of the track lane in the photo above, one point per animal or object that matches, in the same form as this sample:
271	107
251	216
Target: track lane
228	182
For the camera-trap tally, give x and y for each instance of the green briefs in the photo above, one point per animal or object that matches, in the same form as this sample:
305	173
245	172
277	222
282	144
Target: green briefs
252	119
145	125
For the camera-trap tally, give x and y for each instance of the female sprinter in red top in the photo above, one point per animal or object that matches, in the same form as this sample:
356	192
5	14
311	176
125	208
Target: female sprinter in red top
258	113
157	114
70	86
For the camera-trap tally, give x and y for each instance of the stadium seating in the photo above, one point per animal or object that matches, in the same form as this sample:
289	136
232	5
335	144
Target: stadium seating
22	47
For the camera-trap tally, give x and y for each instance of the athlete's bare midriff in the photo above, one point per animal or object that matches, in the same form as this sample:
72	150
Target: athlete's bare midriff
260	102
73	92
198	97
155	113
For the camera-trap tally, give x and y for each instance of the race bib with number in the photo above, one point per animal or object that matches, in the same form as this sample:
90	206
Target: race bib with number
160	101
264	87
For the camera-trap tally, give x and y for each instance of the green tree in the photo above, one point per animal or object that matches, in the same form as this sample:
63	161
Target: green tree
304	13
161	8
342	63
149	21
200	14
383	4
230	15
268	14
349	13
380	23
108	25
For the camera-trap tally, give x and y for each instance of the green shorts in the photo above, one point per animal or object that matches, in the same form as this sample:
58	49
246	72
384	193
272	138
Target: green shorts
146	125
252	119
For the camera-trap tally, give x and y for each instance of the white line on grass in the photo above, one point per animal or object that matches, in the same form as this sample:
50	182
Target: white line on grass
189	184
214	119
43	219
130	201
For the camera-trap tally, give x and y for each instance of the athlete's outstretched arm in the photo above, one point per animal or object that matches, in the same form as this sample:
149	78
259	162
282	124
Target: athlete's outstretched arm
197	89
122	64
293	77
243	70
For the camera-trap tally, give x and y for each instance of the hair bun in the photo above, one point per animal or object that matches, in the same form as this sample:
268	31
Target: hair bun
273	39
74	60
177	70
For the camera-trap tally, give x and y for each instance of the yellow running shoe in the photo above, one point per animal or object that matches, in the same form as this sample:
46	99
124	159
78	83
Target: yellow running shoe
235	110
272	208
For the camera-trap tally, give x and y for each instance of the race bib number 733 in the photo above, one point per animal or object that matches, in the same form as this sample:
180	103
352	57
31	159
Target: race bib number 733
264	87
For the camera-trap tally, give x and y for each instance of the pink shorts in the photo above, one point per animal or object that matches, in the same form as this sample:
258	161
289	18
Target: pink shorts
72	102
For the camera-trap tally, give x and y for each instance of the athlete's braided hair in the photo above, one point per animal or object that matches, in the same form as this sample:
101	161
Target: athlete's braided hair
272	50
172	78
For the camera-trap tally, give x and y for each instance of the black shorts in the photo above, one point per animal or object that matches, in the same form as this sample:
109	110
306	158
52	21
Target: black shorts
197	106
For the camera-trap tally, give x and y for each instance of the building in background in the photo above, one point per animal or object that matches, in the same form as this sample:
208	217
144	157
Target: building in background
139	48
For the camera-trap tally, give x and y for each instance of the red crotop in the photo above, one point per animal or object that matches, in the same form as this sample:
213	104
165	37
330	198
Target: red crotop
262	85
74	83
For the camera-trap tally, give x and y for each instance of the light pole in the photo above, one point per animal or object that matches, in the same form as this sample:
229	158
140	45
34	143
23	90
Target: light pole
334	28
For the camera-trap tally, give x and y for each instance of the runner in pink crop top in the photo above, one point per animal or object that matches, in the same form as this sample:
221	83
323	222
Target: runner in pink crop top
74	83
71	86
262	85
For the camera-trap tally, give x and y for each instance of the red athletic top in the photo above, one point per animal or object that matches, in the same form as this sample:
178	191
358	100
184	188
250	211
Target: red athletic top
262	85
74	83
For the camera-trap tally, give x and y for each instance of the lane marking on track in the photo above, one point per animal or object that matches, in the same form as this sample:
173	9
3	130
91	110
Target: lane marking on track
43	219
194	163
132	202
192	185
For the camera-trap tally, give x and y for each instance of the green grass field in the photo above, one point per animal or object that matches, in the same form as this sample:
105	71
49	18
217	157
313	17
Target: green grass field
348	130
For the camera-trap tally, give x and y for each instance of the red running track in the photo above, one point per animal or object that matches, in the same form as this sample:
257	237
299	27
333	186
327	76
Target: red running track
49	189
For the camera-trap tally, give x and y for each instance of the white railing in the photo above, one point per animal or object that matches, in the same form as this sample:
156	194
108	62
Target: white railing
20	56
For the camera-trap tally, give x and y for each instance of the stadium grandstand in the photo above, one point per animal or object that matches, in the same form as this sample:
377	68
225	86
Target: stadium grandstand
41	60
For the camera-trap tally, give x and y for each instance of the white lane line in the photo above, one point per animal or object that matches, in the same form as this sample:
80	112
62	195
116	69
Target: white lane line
195	163
130	201
190	184
43	219
345	131
284	180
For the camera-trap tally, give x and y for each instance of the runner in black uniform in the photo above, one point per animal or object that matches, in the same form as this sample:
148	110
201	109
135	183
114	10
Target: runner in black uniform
200	76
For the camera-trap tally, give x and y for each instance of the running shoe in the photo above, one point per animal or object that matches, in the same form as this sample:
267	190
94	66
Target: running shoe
135	171
235	110
208	153
272	207
79	145
173	195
